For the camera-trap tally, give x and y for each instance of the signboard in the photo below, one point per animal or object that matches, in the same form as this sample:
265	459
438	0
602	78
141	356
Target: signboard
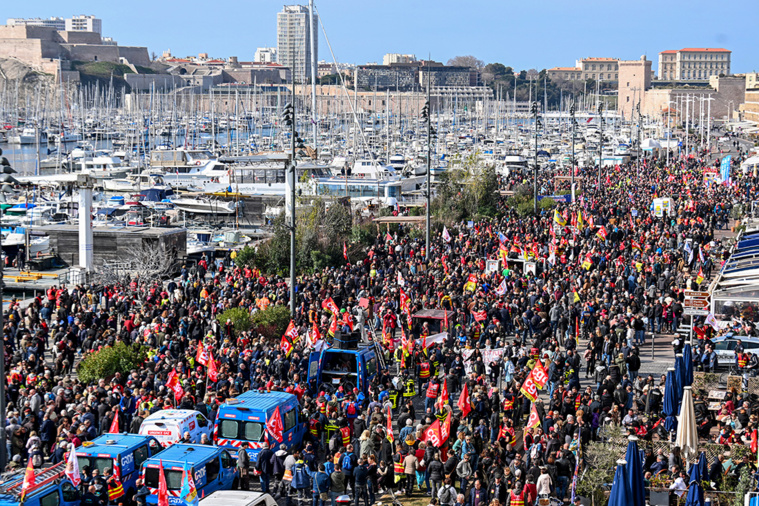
697	303
692	311
492	266
691	294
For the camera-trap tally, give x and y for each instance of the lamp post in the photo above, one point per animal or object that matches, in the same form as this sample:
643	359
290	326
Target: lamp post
7	180
535	174
574	125
601	144
637	108
288	118
426	116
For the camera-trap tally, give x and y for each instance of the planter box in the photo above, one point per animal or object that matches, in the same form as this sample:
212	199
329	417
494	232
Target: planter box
659	498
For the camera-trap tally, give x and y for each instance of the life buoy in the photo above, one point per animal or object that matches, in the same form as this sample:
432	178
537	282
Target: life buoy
198	162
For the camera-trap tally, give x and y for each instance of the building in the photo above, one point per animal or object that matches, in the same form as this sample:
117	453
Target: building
391	58
266	55
719	97
752	80
413	76
596	69
80	23
55	23
84	24
693	64
294	40
750	109
566	73
42	47
599	69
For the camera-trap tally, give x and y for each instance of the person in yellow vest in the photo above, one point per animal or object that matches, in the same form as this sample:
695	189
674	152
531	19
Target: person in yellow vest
115	488
410	388
433	390
517	497
345	434
742	360
423	371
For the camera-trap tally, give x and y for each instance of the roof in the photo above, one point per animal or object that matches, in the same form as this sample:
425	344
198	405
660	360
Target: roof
600	59
171	414
120	442
697	50
183	454
565	69
227	497
262	400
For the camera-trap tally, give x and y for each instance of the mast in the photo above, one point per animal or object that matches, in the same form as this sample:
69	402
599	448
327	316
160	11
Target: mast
313	68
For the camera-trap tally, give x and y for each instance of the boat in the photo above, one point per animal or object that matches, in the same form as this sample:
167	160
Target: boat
135	182
203	205
27	135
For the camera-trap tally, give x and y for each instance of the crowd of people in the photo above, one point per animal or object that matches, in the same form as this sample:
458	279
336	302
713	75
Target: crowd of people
577	291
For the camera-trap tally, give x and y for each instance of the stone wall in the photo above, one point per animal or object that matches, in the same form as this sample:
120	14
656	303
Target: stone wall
136	55
81	38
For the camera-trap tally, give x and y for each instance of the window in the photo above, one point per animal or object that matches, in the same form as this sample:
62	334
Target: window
229	429
173	478
371	366
70	493
50	499
99	463
290	418
226	460
202	421
212	470
140	455
253	431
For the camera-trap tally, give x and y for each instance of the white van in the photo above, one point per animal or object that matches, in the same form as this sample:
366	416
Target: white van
168	425
238	498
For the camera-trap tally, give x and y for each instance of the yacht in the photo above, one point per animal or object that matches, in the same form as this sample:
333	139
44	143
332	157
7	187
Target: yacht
135	182
203	206
27	135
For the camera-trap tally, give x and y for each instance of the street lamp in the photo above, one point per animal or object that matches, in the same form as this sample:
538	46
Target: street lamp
574	126
426	117
535	175
601	145
7	181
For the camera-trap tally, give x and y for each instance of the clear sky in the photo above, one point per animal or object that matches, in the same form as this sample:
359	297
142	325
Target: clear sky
519	33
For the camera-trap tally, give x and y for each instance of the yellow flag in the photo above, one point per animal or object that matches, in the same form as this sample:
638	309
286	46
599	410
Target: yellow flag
558	218
577	298
580	224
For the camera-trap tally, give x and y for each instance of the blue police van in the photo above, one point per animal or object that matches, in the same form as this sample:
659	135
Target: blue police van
122	453
243	420
212	469
347	364
51	488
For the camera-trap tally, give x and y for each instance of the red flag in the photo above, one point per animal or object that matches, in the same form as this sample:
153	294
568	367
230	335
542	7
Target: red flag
292	332
163	490
345	251
29	479
332	326
347	320
432	434
286	346
445	428
754	445
534	419
114	424
443	395
464	404
445	319
330	306
529	389
480	316
539	374
274	425
390	435
213	373
202	356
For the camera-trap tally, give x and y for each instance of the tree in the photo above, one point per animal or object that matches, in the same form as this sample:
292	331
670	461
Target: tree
240	318
271	322
466	61
149	260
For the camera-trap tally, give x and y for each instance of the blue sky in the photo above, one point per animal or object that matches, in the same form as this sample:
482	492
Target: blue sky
522	34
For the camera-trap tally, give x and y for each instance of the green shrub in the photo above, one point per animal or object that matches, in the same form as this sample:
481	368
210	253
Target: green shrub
246	257
106	362
240	317
271	322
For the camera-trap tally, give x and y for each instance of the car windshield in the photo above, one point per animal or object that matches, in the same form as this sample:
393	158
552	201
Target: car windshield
99	463
173	478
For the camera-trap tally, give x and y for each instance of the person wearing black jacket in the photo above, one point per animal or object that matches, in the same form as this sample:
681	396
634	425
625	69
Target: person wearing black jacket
716	472
265	467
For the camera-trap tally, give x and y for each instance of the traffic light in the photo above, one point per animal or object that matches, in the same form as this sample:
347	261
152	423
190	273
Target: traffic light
288	115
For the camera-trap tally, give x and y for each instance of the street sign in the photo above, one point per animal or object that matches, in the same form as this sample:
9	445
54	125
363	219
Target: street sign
692	294
697	303
695	312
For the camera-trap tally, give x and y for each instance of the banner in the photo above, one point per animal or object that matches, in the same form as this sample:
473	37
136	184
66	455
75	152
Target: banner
539	374
488	356
724	169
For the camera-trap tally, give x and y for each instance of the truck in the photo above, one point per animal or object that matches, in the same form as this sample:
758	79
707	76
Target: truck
243	420
347	363
51	488
122	453
212	469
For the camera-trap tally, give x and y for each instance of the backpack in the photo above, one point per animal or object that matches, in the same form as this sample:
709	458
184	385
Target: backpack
350	409
347	463
447	497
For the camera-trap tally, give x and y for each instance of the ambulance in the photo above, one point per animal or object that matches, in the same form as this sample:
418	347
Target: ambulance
169	425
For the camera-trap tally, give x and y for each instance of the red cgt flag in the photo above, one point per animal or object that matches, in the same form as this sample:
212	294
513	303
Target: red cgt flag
202	356
539	374
445	428
274	425
345	251
443	395
464	404
432	435
330	306
213	373
114	424
29	479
